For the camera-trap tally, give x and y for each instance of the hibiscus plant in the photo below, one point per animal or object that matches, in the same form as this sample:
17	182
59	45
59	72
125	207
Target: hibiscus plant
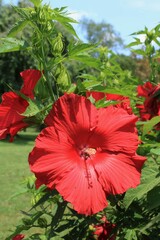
96	162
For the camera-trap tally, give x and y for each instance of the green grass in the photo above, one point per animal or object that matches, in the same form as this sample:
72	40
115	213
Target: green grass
14	169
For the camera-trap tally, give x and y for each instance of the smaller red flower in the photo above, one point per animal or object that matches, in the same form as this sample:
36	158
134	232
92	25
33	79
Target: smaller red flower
18	237
151	106
122	101
104	230
13	105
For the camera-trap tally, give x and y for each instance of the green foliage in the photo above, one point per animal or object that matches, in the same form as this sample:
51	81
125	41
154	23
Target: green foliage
13	49
148	49
11	45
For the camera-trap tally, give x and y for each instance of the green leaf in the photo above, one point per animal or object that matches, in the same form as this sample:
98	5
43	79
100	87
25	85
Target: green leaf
137	42
31	110
25	13
153	198
123	91
58	214
88	77
88	60
155	151
73	50
139	52
149	180
12	45
44	198
148	126
103	103
72	88
17	28
70	28
60	16
138	32
151	222
130	235
90	84
36	3
133	44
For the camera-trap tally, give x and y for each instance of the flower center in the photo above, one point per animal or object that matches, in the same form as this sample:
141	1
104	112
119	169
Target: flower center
86	153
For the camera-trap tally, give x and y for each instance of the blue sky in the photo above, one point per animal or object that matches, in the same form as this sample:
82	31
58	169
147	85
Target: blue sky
126	16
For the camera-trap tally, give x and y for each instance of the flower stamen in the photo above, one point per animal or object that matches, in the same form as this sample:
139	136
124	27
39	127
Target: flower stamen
86	153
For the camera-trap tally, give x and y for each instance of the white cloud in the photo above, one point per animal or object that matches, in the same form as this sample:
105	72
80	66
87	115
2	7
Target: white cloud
78	15
148	5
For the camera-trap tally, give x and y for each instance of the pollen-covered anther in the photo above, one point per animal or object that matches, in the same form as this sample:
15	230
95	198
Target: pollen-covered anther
87	153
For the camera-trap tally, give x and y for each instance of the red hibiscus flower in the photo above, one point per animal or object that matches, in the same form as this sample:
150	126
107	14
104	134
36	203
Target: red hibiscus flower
12	106
151	106
18	237
123	102
87	153
104	230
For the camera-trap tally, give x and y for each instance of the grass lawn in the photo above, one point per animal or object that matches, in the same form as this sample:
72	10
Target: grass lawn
13	170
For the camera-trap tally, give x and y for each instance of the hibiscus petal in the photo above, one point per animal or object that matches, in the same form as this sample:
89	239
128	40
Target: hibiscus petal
74	115
118	173
10	113
84	192
30	78
116	131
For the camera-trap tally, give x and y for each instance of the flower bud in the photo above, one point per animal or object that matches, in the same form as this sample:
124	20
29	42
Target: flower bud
57	44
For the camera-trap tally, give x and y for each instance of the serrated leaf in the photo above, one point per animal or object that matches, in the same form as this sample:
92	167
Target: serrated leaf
80	48
150	179
70	28
58	214
61	16
133	44
88	60
122	92
148	126
138	32
31	110
155	151
88	77
12	45
90	84
72	88
44	198
130	235
103	103
17	28
157	42
24	12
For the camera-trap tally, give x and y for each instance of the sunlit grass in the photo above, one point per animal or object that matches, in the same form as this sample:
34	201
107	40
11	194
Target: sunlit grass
14	169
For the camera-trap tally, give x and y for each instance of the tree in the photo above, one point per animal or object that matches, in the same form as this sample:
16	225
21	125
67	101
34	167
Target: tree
102	33
11	64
